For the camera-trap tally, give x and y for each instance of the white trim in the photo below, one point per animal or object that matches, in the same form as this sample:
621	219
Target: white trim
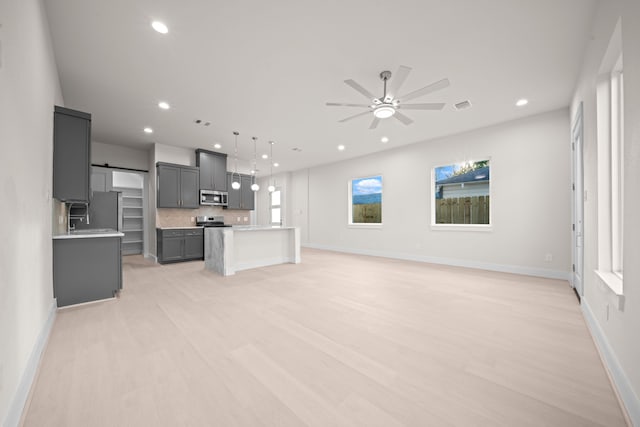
462	227
21	396
624	391
514	269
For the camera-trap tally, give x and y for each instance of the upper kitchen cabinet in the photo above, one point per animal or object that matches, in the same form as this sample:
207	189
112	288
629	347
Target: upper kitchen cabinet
178	186
71	155
213	170
242	198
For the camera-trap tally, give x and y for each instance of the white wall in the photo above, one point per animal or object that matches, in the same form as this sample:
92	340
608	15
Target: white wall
617	336
29	88
530	200
119	156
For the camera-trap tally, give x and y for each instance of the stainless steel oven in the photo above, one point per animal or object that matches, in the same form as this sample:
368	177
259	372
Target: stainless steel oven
215	198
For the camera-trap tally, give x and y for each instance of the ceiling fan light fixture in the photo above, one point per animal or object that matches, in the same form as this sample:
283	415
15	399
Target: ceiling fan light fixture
384	111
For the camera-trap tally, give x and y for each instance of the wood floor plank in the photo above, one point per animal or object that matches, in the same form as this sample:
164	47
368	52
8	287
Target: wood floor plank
336	340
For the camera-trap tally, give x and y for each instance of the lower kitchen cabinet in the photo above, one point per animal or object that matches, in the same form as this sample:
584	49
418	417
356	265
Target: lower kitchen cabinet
177	245
86	269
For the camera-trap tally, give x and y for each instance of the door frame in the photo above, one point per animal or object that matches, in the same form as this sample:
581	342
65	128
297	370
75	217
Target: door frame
577	203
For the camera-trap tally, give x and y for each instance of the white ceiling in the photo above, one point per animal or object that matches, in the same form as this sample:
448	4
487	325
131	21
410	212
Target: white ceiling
266	68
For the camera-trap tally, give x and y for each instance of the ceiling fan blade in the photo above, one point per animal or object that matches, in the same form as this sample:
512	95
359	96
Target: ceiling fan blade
397	80
441	84
353	117
337	104
428	106
374	123
404	119
360	89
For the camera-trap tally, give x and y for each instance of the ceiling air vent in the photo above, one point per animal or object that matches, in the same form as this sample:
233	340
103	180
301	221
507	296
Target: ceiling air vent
462	105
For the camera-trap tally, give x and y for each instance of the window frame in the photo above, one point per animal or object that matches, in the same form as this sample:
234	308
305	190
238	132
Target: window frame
462	227
272	206
350	222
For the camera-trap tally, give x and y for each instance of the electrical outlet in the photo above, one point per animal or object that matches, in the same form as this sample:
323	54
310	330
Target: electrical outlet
61	219
246	219
548	257
238	219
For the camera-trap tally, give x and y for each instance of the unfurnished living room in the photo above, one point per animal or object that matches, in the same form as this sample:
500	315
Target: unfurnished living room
285	213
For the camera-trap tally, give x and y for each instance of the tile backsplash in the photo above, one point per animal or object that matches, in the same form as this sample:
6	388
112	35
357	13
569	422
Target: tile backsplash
166	217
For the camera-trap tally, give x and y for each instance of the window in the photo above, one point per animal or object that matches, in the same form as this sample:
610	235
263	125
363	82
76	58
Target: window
276	213
610	124
365	201
461	194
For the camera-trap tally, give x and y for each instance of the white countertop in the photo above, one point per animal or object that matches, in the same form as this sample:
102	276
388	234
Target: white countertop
259	227
89	234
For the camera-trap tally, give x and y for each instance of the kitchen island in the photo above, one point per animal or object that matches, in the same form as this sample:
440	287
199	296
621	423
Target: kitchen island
231	249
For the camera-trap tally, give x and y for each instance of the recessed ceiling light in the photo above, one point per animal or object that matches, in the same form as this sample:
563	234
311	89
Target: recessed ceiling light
265	156
160	27
217	146
164	105
384	139
341	147
522	102
148	130
275	165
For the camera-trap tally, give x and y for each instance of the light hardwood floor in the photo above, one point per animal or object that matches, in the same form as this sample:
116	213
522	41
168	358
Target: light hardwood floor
339	340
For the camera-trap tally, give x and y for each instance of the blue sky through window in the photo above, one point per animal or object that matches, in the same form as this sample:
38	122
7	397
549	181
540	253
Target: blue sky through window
369	185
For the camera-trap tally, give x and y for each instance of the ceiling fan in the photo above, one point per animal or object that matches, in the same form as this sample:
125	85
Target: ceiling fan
389	103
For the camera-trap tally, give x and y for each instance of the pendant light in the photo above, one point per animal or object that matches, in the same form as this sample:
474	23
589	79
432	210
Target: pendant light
254	185
271	187
235	184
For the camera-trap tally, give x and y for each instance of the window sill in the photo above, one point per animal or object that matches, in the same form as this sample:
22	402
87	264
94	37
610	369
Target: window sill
462	227
613	283
374	226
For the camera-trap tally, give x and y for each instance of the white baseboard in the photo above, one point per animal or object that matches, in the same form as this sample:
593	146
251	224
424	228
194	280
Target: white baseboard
24	387
515	269
625	392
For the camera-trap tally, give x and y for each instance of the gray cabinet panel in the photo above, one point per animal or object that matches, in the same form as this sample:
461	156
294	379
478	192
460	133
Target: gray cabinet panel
87	269
71	155
168	186
233	201
180	245
242	199
246	195
194	246
189	188
213	170
178	186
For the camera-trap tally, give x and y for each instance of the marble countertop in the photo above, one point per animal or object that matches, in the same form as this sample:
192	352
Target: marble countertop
89	234
259	227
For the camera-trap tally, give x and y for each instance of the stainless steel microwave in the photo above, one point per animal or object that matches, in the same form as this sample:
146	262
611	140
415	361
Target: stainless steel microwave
215	198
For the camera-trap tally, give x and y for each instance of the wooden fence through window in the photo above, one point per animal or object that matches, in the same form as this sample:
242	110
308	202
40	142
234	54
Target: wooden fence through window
463	210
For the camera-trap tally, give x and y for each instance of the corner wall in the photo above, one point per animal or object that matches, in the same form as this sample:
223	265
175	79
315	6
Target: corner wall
29	88
615	329
530	200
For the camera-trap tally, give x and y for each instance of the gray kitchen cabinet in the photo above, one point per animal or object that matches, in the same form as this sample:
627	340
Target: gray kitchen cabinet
242	199
194	244
213	170
177	245
86	269
178	186
71	155
247	197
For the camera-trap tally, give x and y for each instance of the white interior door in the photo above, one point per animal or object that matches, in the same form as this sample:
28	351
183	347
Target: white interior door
578	204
